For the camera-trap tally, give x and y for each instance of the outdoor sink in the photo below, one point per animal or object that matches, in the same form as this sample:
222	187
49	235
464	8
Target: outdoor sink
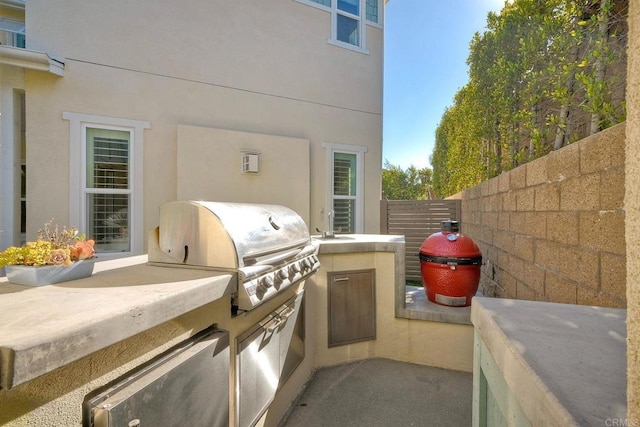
334	237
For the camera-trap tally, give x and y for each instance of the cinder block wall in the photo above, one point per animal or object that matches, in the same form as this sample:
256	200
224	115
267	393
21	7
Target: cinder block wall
554	228
632	208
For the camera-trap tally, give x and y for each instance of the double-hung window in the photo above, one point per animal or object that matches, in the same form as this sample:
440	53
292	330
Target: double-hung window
349	19
107	187
106	181
346	186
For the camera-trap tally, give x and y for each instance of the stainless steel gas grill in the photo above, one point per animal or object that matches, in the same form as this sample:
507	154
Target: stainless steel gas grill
267	246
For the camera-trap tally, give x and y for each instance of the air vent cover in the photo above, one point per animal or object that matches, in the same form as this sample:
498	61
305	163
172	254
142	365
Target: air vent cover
250	163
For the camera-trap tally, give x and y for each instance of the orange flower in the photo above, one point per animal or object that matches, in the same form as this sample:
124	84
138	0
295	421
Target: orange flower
60	257
82	249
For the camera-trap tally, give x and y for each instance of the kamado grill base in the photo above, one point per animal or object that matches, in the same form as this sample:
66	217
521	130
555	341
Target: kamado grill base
450	287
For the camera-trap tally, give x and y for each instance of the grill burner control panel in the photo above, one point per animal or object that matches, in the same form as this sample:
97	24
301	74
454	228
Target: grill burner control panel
260	288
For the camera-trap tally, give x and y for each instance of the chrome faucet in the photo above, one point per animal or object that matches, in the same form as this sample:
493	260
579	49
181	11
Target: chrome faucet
330	233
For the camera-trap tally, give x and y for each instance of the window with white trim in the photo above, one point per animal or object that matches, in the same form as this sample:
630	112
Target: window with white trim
346	186
348	18
106	181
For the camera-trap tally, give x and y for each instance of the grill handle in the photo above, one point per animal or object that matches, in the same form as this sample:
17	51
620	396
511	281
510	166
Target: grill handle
280	318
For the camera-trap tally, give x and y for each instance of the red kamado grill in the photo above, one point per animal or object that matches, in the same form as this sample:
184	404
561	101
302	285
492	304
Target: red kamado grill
450	265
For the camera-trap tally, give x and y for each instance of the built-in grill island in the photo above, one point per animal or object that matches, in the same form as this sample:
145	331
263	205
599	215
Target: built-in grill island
268	247
268	250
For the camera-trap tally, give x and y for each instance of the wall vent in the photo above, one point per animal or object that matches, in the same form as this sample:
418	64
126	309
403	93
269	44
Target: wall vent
250	162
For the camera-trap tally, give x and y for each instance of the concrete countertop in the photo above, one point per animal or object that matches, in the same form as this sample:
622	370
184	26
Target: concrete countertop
351	243
44	328
565	364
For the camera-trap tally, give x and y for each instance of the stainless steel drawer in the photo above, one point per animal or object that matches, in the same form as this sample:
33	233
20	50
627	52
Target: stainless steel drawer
188	384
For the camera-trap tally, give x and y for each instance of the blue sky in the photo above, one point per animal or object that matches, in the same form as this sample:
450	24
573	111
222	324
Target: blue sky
426	49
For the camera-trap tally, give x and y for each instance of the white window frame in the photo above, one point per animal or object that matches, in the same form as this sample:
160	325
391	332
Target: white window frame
77	158
363	23
359	151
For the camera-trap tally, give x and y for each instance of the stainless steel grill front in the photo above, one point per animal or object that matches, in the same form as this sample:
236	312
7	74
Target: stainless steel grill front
267	246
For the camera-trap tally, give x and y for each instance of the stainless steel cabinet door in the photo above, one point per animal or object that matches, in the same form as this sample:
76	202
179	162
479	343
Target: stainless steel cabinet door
352	307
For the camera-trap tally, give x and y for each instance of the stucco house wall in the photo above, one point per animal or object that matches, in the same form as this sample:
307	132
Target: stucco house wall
260	68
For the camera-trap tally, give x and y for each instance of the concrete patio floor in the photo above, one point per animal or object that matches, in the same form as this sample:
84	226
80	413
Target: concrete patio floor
382	392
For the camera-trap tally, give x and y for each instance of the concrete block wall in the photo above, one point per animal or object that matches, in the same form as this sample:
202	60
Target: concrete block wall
554	229
632	209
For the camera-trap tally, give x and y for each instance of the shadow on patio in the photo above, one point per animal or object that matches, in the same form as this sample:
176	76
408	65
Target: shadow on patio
383	392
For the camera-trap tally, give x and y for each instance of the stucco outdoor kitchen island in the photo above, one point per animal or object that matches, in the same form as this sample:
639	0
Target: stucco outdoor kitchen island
61	342
58	343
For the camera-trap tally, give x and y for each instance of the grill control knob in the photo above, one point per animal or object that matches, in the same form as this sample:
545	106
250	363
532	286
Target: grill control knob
294	268
281	276
266	282
306	264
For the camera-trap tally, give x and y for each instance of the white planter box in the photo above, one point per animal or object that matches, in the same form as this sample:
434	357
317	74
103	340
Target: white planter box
48	274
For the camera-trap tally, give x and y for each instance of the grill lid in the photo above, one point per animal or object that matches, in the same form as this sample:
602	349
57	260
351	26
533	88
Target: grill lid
228	235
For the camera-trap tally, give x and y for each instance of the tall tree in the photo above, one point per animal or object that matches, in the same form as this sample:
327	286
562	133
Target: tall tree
458	152
545	73
409	184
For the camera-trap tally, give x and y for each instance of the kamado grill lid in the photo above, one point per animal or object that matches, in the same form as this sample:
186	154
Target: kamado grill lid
449	245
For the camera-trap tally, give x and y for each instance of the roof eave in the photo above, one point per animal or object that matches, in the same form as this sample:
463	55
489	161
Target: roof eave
31	59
